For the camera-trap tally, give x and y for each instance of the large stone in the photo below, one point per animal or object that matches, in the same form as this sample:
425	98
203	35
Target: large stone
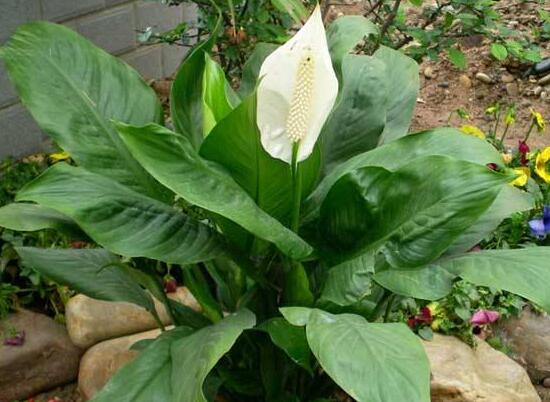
90	321
103	360
463	374
528	337
46	359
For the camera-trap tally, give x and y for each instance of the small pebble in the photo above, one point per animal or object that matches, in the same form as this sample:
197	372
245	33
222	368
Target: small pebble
512	89
537	91
465	81
544	95
429	73
484	78
546	382
545	80
507	78
443	85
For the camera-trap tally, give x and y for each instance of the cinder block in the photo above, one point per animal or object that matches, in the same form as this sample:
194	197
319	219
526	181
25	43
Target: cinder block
158	16
172	56
7	91
14	13
113	30
59	10
19	133
147	60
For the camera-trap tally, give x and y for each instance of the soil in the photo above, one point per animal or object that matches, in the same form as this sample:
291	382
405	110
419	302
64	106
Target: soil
66	393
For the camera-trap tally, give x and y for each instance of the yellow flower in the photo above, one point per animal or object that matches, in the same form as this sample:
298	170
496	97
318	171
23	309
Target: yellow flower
523	173
472	130
434	308
436	324
538	120
541	164
59	156
506	157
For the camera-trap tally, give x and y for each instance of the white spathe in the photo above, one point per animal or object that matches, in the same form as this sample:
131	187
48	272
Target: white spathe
297	90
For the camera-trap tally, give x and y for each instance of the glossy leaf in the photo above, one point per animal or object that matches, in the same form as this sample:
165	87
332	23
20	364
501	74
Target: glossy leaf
122	220
509	201
89	271
430	282
186	104
365	359
31	217
194	356
73	89
147	377
267	180
524	271
218	97
349	282
416	219
344	34
170	158
403	86
441	141
251	69
359	117
291	339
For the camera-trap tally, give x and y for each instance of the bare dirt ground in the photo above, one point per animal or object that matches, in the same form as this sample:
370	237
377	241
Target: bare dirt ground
445	89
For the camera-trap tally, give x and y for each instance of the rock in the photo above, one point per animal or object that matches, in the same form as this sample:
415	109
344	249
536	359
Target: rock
103	360
90	321
45	360
465	81
537	91
544	80
463	374
429	72
512	89
444	84
507	78
484	78
546	382
528	337
544	95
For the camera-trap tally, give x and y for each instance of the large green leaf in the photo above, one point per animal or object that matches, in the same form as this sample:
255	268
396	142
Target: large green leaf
358	119
509	201
146	378
430	282
416	217
371	362
349	282
524	271
73	89
441	141
89	271
218	97
31	217
120	219
291	339
403	86
171	159
194	356
251	68
186	100
344	34
267	180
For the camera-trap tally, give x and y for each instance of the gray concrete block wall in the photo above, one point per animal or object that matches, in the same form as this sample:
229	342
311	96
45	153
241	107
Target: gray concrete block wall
110	24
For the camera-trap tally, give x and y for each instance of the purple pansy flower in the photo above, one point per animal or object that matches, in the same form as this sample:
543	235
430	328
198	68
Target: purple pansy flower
484	317
541	227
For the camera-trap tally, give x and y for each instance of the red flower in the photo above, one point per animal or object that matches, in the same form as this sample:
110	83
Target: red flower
523	148
170	285
492	166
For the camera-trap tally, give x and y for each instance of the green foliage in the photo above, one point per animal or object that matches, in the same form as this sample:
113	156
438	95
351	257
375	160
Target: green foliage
294	305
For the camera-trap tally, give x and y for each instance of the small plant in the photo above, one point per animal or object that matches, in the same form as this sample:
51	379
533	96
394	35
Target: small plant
297	211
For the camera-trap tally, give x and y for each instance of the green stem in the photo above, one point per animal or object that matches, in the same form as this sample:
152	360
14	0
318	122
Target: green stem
504	135
529	132
496	124
380	305
296	189
389	306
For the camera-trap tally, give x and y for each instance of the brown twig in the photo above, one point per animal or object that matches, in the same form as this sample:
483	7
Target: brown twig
389	19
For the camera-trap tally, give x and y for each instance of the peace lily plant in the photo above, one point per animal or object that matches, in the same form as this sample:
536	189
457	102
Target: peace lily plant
297	209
